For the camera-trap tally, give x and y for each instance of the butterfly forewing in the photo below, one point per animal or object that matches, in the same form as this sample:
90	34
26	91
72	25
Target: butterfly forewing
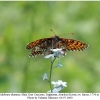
73	45
36	43
43	46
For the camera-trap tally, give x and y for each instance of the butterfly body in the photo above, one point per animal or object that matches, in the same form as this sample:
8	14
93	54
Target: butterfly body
43	46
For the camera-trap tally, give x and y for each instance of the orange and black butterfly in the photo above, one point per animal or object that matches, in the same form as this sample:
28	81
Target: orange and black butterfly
43	46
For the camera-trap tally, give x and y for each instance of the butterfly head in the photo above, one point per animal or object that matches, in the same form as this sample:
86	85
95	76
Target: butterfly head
56	38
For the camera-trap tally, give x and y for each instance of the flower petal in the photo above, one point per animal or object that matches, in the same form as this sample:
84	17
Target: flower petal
59	83
49	56
45	77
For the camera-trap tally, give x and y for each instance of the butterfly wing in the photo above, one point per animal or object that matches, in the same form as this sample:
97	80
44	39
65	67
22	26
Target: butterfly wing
73	45
40	47
43	46
36	43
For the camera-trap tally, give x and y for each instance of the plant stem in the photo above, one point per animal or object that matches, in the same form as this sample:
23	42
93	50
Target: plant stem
52	61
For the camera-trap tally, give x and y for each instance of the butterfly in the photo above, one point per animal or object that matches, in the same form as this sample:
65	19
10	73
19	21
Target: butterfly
43	46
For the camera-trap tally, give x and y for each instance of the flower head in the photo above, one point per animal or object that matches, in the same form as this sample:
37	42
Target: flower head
49	56
45	77
58	65
59	83
56	53
58	86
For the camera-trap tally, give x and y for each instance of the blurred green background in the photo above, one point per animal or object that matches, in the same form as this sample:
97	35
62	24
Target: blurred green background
23	22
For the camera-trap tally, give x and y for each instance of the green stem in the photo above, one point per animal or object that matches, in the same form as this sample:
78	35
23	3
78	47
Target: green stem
51	72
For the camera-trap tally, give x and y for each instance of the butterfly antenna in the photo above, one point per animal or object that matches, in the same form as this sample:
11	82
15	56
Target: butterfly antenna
53	32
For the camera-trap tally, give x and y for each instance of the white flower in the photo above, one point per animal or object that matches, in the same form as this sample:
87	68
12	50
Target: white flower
59	83
56	53
56	50
58	65
45	76
49	56
58	86
62	83
55	90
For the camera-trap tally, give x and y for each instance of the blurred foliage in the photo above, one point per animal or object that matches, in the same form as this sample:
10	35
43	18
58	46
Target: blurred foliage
23	22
